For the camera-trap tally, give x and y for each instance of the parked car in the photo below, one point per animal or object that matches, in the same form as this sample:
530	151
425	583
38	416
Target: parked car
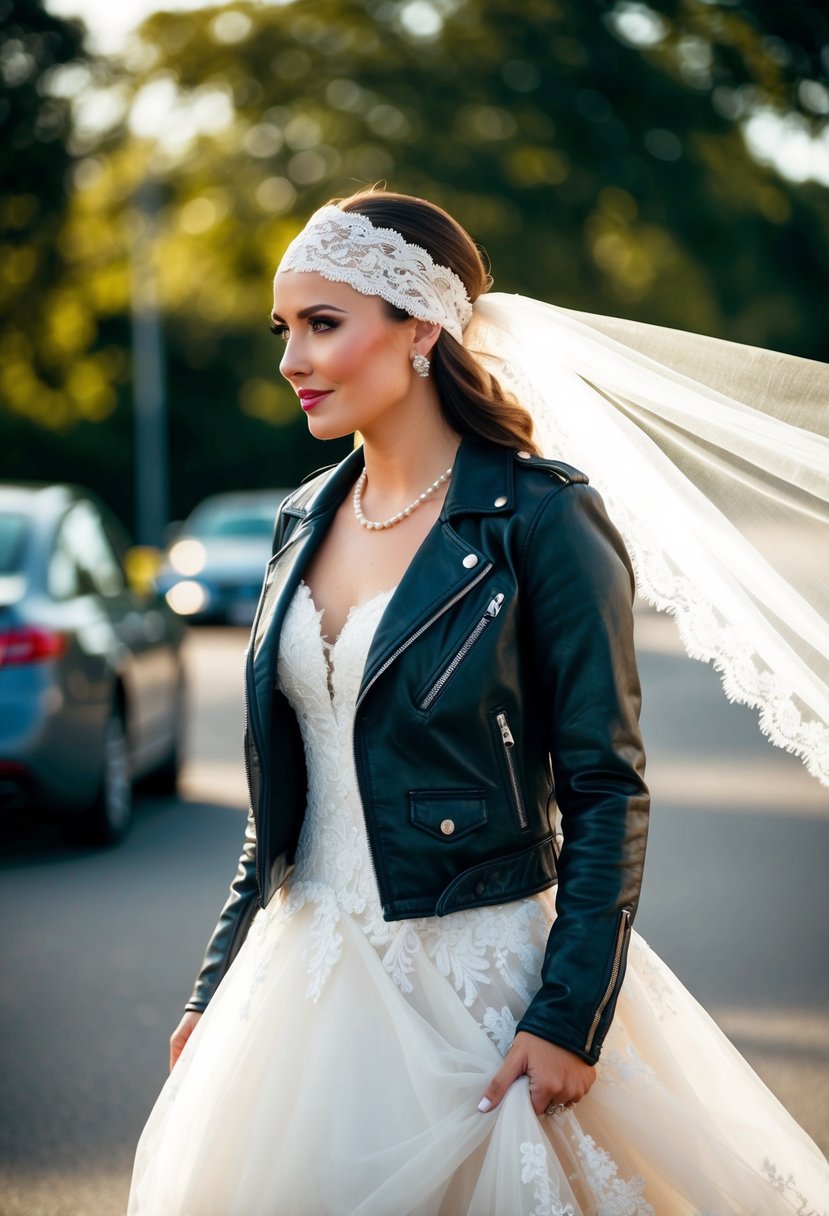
213	569
91	678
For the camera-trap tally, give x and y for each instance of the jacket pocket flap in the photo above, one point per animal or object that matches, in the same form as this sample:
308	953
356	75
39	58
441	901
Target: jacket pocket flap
447	814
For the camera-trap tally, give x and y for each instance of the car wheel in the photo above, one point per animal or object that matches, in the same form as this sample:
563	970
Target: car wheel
108	819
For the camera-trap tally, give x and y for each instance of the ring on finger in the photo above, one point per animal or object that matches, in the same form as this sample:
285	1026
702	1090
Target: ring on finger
555	1108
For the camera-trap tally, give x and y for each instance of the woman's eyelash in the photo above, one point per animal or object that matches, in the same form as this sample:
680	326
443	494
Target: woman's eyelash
281	331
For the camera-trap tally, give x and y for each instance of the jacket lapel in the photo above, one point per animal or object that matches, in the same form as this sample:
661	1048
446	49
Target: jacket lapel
313	509
447	564
442	569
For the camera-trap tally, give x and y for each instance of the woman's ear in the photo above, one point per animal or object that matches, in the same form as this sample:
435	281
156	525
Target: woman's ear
426	334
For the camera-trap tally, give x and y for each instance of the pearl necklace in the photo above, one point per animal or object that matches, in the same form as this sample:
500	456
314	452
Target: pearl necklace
401	515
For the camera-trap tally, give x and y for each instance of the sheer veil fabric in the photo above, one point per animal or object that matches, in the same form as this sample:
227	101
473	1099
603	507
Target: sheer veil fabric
713	459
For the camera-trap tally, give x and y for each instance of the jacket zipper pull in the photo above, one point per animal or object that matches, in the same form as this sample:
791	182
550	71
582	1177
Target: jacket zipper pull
495	606
506	733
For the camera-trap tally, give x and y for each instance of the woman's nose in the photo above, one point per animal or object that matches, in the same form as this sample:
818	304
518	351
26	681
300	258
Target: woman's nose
293	363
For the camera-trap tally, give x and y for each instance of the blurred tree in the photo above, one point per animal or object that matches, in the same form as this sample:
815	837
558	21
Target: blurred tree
599	151
59	367
50	367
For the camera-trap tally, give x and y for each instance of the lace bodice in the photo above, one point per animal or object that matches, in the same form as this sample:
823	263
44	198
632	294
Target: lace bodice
482	950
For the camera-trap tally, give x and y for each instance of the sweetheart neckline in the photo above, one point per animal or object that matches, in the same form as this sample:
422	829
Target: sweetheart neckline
350	615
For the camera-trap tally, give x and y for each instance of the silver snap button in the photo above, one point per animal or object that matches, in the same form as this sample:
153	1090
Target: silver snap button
470	560
447	826
525	455
500	502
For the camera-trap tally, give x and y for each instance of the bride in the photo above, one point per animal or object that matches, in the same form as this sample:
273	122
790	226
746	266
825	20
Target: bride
423	996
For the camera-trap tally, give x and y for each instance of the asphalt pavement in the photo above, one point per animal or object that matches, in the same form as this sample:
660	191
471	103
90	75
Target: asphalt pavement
100	948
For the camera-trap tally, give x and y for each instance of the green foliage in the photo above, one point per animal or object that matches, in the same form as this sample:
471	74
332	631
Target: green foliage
596	151
52	367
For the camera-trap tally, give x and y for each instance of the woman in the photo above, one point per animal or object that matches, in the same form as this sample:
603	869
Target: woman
400	1015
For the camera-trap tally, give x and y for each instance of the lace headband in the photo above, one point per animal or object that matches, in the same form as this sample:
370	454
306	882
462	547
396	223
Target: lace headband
345	247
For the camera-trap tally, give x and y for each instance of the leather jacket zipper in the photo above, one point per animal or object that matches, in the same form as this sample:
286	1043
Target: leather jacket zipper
392	657
251	735
492	611
621	938
509	752
418	632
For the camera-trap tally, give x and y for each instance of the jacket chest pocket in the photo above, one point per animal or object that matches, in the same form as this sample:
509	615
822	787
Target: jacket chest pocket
439	681
447	814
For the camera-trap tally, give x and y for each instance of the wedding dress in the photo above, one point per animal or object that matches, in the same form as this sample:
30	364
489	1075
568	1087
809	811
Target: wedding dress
337	1070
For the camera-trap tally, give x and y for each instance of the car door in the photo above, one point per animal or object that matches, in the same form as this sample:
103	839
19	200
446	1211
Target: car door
116	630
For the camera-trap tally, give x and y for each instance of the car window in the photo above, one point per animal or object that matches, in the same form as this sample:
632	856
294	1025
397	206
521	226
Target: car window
230	523
13	532
227	522
63	578
83	560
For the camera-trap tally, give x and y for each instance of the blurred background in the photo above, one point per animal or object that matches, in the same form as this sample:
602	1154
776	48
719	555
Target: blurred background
663	161
666	161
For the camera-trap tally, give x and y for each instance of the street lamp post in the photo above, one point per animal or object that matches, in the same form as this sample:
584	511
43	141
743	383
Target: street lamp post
151	459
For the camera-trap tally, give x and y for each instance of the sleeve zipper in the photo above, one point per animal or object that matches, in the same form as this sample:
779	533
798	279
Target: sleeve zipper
621	938
492	611
509	752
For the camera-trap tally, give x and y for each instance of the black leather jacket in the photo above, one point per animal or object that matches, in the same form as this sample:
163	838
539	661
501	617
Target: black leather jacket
501	681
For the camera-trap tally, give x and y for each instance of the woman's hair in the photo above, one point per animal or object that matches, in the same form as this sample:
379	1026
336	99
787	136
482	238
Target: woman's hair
473	402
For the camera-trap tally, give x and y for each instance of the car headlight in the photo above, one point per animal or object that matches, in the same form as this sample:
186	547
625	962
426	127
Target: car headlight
188	556
187	597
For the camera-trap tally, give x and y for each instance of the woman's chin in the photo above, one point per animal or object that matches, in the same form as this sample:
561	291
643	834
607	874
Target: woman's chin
327	428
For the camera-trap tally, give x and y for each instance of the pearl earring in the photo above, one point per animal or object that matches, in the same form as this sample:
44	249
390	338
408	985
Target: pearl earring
421	364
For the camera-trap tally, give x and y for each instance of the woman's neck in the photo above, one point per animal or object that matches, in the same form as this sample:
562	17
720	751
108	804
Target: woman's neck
402	465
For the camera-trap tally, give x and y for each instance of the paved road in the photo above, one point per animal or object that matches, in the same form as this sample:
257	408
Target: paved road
100	948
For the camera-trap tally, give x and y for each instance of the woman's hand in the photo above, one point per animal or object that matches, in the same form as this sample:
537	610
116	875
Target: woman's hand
181	1034
556	1075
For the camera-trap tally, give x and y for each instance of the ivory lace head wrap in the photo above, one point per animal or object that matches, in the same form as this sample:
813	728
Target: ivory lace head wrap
345	247
713	459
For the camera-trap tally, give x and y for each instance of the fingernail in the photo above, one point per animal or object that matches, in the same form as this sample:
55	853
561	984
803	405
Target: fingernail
484	1105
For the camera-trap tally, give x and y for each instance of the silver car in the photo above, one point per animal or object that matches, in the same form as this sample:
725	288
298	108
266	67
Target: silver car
91	675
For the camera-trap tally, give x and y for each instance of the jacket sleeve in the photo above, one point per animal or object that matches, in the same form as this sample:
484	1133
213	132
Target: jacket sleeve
232	926
241	903
580	593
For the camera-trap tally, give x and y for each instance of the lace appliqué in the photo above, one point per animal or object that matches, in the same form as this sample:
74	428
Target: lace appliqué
345	247
613	1195
787	1185
535	1173
500	1025
625	1068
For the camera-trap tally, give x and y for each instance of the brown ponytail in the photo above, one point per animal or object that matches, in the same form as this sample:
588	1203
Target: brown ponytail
473	402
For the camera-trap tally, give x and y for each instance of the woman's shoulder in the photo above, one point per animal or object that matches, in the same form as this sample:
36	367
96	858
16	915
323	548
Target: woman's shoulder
562	514
522	467
543	485
560	471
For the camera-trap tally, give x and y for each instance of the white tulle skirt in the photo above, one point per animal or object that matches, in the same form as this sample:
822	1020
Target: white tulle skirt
364	1103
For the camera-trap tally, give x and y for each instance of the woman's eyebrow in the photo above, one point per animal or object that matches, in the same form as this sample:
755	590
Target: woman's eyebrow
306	312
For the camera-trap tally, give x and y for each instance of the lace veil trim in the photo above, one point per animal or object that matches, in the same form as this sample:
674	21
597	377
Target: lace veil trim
713	459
